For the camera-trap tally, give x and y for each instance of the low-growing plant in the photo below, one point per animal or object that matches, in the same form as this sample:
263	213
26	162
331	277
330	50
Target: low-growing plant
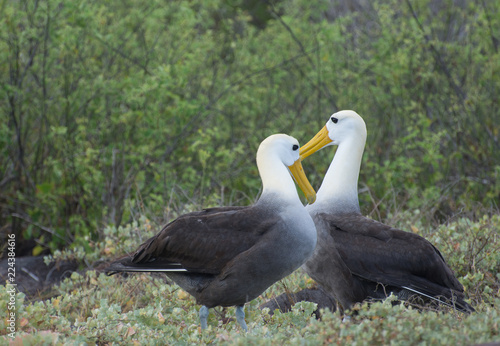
90	307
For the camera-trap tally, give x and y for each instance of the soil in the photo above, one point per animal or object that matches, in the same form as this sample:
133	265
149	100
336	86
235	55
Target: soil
34	278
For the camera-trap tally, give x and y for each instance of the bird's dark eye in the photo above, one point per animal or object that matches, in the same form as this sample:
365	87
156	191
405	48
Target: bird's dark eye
335	120
295	147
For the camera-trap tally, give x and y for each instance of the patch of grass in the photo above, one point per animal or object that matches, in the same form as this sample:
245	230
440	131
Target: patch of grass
142	309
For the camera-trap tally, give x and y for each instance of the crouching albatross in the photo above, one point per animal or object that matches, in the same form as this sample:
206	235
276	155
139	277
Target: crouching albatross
228	256
358	258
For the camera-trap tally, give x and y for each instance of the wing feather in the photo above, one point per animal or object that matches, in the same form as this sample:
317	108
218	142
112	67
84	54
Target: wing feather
206	241
388	255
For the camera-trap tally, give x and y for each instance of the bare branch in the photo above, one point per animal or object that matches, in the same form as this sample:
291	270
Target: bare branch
437	57
43	228
319	84
494	40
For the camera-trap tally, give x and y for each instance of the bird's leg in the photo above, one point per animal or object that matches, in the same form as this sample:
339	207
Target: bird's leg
203	317
240	317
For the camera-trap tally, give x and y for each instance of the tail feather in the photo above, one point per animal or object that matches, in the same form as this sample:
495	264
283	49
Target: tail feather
453	301
126	265
405	288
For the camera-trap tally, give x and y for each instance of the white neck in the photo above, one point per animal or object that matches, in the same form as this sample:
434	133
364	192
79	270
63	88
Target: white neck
276	179
339	190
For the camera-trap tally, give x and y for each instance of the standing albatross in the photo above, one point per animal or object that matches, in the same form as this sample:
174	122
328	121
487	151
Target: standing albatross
228	256
358	258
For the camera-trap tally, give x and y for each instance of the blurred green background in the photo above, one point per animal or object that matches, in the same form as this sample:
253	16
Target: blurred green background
113	110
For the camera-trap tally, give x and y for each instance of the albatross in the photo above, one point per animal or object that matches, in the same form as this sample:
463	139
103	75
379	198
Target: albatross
228	256
356	257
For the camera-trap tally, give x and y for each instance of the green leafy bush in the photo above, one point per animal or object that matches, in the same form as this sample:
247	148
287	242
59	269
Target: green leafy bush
113	110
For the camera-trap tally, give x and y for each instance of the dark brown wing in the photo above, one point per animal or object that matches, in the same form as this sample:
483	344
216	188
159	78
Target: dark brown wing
205	241
380	253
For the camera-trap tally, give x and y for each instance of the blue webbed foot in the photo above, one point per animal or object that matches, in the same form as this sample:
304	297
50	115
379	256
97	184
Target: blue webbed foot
203	317
240	317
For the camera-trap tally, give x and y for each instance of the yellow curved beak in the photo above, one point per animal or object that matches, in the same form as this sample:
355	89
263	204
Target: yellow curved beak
301	179
316	143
